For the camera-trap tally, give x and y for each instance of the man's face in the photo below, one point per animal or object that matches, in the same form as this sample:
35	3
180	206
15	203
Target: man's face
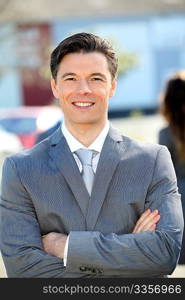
83	86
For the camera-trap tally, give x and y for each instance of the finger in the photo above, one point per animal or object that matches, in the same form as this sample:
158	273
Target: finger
147	222
149	218
152	228
143	216
150	223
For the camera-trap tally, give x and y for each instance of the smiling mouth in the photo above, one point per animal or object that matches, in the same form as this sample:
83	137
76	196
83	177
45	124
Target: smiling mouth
83	104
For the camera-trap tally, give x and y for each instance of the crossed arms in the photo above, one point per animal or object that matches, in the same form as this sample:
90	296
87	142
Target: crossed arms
151	249
54	243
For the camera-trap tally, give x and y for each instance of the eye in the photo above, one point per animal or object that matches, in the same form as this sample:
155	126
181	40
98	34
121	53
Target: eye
70	78
97	79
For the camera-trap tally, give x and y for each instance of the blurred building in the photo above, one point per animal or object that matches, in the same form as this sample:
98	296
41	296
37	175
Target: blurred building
149	34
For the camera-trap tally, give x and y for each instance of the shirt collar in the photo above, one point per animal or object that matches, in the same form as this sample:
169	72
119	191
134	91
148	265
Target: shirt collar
74	144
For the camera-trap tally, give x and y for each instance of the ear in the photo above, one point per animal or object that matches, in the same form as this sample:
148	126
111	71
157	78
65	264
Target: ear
54	87
113	88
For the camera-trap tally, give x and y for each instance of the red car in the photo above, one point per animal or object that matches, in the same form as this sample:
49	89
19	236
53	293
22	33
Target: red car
27	121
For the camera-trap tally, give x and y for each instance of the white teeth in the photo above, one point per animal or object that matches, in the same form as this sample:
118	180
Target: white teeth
83	104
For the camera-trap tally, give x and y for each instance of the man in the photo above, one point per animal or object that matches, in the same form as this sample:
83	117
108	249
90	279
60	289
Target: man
117	215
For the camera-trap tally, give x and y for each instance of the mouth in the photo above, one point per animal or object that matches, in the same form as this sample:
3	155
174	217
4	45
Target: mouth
83	105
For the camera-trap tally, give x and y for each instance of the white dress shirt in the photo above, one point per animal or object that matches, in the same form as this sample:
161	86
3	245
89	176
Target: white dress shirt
75	145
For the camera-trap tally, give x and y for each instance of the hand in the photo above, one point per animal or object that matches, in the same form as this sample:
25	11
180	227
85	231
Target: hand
147	221
54	243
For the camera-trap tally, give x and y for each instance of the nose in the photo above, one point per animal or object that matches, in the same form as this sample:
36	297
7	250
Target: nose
83	87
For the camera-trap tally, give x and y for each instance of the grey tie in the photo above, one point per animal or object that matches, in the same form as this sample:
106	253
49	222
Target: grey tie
86	156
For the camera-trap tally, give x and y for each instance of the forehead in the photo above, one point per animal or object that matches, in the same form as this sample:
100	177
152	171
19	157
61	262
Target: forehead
84	62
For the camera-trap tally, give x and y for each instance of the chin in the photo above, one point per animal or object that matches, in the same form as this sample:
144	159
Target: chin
87	121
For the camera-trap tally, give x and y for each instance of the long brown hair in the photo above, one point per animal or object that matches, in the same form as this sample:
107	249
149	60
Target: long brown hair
173	108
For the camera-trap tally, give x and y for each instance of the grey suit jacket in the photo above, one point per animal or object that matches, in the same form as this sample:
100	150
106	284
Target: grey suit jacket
43	191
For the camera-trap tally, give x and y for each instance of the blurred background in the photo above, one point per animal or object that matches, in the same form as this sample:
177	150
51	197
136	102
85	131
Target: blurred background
149	38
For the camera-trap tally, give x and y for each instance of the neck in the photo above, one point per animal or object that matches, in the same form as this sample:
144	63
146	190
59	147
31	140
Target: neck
85	133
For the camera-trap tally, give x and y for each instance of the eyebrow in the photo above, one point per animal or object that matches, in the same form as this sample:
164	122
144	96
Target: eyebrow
68	74
74	74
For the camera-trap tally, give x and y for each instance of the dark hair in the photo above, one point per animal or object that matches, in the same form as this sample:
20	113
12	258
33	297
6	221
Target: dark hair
173	108
83	42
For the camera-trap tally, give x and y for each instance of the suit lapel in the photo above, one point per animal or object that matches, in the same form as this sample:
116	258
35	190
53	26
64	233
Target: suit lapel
64	160
109	159
108	162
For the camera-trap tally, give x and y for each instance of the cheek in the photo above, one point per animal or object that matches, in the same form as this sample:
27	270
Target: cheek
63	95
102	92
63	103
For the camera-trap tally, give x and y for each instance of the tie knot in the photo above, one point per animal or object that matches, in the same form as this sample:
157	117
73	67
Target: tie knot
85	156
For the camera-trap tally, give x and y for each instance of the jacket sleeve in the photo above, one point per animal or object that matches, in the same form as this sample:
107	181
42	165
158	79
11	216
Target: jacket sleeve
141	254
20	237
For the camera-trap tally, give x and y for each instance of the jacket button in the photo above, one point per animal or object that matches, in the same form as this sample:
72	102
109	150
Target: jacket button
94	270
83	269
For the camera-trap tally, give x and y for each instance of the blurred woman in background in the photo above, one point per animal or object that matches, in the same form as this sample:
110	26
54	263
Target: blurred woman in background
173	136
